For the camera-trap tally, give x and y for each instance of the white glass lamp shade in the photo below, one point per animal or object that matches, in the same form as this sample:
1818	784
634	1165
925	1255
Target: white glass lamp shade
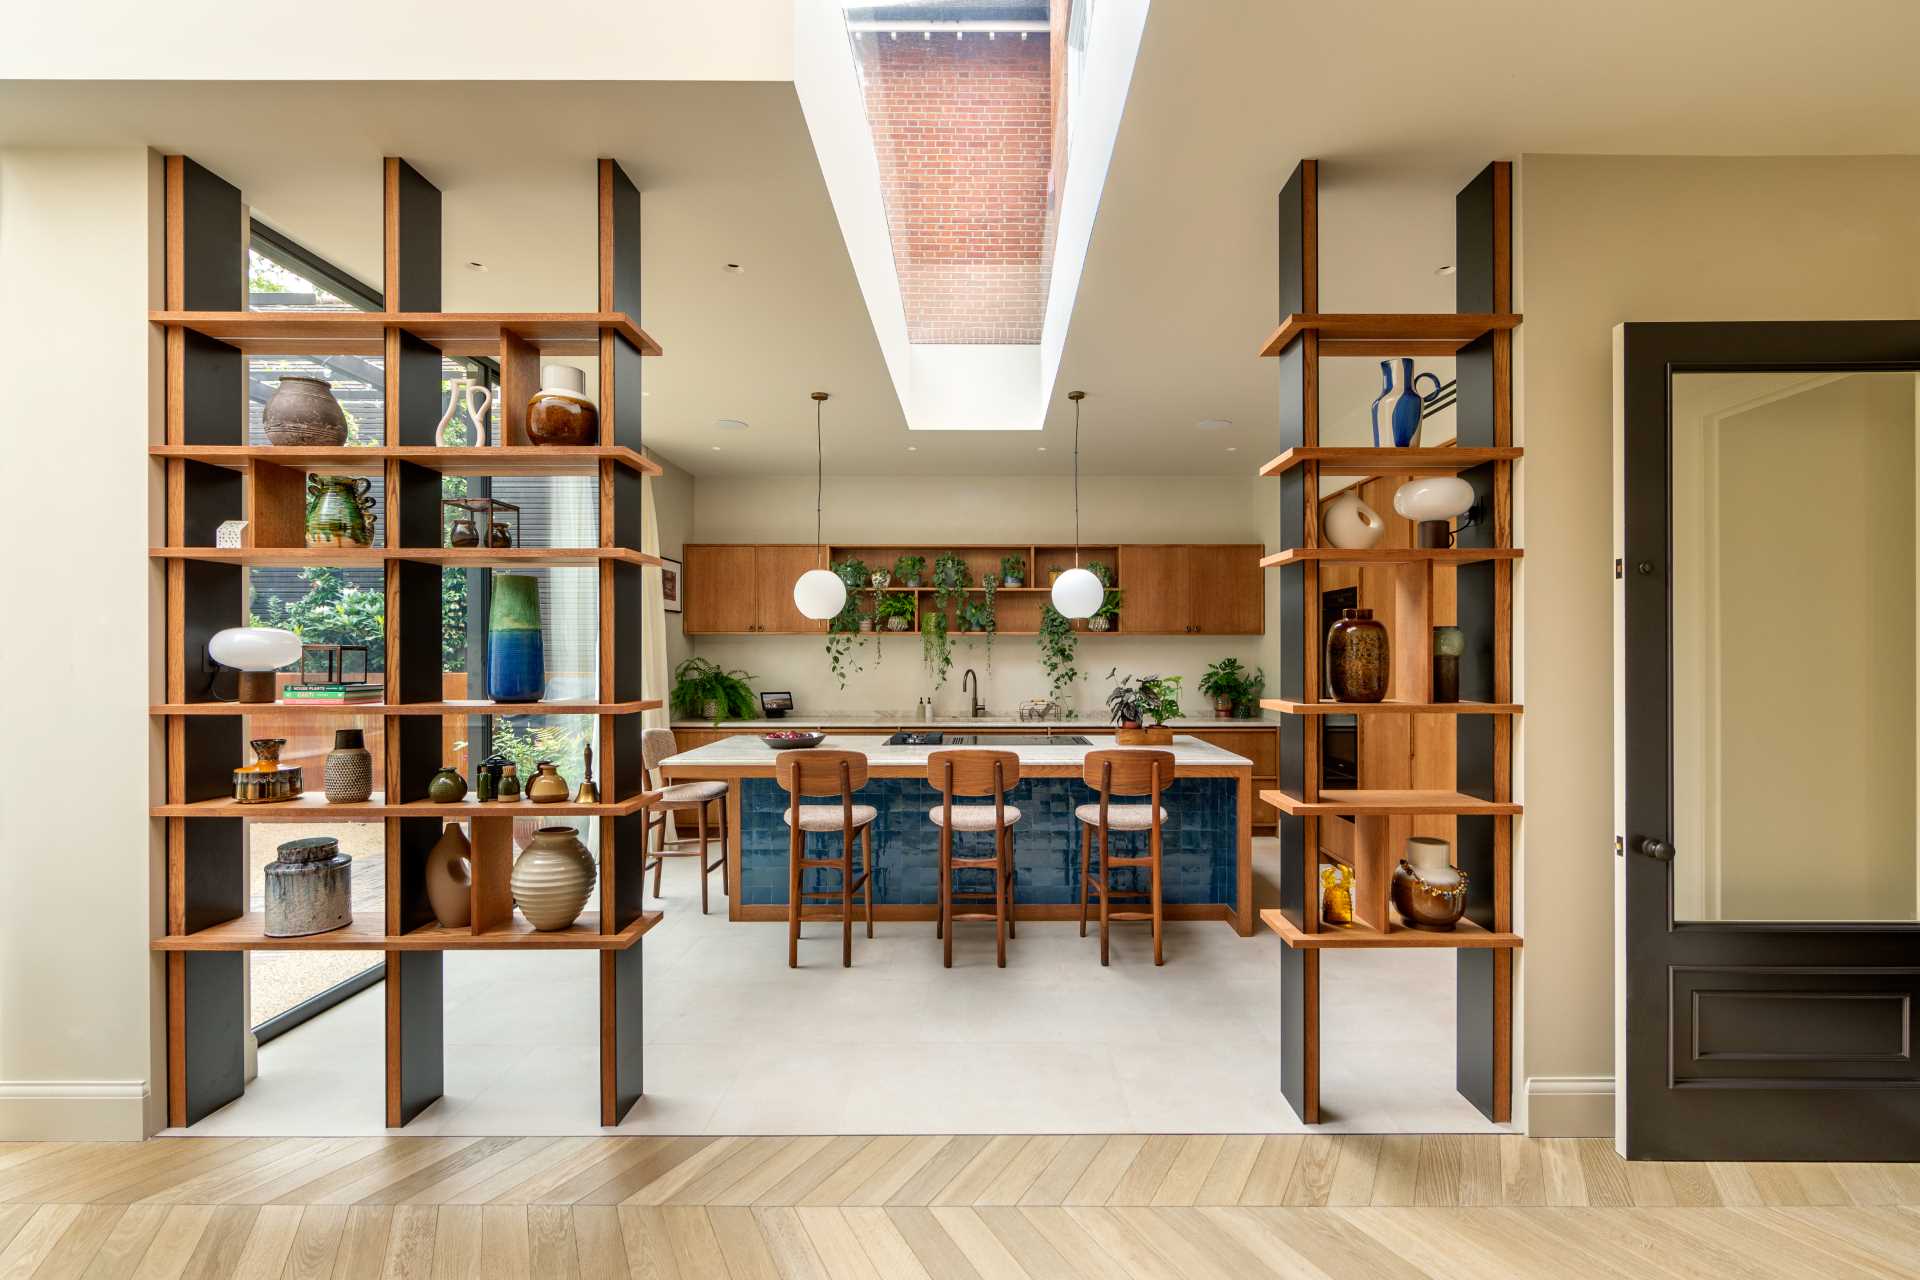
1078	594
820	594
1433	498
254	648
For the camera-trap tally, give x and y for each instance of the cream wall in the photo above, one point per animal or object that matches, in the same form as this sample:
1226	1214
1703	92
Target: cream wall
81	1049
672	494
1604	240
1014	509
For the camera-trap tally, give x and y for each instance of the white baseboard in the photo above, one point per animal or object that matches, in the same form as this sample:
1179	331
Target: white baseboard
82	1110
1570	1106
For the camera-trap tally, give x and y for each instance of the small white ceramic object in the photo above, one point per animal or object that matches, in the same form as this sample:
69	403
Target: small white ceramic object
1431	857
231	533
1351	524
464	391
1433	498
563	380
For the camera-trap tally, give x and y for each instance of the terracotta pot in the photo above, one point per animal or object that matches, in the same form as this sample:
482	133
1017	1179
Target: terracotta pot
302	411
553	878
1357	657
450	878
1223	708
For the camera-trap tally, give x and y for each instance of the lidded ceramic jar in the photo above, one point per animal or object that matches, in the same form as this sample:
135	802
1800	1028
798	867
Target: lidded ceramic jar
553	878
349	769
302	411
1428	891
1357	657
560	412
309	888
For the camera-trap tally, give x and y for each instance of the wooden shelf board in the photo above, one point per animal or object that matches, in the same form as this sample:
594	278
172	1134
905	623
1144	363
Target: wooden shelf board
1352	334
558	333
1464	935
248	933
447	557
502	460
1390	707
1370	802
1388	555
313	807
462	707
927	591
1443	461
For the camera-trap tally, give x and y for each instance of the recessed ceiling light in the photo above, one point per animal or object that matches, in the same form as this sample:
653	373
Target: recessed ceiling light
645	393
476	266
1214	424
1233	448
1040	448
1444	271
716	448
730	424
734	268
913	448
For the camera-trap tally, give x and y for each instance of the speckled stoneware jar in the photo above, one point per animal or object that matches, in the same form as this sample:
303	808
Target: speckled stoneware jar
1357	657
309	888
553	878
349	771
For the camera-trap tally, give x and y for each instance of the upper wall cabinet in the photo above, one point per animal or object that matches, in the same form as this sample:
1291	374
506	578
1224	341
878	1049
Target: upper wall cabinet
745	589
1193	589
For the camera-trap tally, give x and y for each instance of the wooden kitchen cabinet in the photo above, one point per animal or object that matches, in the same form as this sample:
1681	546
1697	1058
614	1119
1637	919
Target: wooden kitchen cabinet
1192	589
746	589
1258	741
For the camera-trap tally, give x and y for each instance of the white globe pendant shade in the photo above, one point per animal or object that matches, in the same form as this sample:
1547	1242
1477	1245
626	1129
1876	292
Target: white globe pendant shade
1078	594
820	594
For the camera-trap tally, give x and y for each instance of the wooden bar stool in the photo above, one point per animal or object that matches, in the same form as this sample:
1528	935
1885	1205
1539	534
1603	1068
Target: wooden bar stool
1123	773
683	797
975	773
826	773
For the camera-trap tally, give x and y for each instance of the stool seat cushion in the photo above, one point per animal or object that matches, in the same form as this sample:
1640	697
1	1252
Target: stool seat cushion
972	817
686	793
1121	817
827	817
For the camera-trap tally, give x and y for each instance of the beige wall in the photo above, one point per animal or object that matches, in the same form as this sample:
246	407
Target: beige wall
1007	508
81	1050
672	495
1604	240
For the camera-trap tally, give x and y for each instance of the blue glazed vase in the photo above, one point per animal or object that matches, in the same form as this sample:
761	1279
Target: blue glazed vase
516	660
1400	403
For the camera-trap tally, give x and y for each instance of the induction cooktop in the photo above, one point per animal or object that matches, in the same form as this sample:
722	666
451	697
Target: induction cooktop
936	738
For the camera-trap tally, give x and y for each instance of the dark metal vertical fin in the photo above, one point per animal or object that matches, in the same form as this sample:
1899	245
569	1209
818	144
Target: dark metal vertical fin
413	239
422	1030
216	1029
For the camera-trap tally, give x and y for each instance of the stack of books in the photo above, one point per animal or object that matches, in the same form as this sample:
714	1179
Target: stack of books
333	693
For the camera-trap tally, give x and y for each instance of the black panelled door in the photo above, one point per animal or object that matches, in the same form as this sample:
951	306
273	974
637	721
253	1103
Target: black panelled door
1764	603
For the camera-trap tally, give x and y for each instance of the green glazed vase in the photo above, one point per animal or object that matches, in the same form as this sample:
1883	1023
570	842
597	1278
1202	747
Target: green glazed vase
516	660
339	511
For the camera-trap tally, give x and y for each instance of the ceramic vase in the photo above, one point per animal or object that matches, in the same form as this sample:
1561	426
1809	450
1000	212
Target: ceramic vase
1399	405
302	411
339	511
450	878
309	889
516	660
1350	524
553	878
560	412
1428	891
1448	646
1357	657
546	786
349	769
446	786
508	788
453	431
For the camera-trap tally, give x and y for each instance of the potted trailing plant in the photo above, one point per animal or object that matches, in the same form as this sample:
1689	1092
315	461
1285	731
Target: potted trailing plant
1141	706
934	649
974	616
907	569
1255	688
894	610
1057	647
1013	570
706	689
951	578
844	628
1226	683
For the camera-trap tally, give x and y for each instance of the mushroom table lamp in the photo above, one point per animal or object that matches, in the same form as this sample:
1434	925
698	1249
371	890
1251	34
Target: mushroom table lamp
256	653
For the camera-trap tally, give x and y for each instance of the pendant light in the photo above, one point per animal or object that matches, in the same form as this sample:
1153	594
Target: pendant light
819	593
1077	593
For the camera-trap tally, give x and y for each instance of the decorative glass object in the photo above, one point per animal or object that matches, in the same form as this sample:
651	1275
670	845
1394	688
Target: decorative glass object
334	664
470	522
1357	657
516	656
1336	899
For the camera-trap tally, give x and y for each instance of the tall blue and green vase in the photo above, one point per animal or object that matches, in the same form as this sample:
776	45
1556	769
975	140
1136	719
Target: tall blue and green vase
516	661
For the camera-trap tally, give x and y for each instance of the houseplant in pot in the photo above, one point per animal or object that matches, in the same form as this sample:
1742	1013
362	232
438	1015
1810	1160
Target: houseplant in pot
704	688
1103	617
907	570
1141	706
951	578
1013	570
894	610
1226	682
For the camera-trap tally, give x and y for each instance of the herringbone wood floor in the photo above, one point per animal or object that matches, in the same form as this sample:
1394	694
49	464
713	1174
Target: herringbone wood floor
1181	1208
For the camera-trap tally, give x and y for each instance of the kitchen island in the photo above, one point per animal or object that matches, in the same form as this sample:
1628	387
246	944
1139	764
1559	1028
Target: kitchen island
1207	841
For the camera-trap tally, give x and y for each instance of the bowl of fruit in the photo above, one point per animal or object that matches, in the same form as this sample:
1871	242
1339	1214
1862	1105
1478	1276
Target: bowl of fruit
792	739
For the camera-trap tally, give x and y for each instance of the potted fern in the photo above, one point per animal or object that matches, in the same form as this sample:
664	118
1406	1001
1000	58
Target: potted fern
894	610
704	688
1226	683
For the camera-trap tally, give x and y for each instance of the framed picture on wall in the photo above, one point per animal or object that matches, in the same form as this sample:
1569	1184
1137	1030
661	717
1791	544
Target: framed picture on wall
672	584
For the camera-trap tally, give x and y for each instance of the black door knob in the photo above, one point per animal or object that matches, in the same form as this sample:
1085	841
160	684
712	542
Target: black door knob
1656	848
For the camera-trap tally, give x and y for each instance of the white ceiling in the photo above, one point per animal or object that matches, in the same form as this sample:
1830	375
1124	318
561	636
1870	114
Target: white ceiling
1402	100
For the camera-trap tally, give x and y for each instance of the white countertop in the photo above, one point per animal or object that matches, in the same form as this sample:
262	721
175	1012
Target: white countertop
909	720
746	751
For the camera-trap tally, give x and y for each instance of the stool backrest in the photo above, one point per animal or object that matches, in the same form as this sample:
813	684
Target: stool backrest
973	773
814	772
1128	772
656	745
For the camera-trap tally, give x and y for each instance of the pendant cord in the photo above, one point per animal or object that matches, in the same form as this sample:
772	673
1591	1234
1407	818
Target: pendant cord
819	476
1076	483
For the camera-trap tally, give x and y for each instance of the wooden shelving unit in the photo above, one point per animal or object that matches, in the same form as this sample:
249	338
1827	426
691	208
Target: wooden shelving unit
213	474
1423	767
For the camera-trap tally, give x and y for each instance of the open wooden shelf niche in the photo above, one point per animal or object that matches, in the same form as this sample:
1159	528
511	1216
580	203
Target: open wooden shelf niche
1423	768
212	474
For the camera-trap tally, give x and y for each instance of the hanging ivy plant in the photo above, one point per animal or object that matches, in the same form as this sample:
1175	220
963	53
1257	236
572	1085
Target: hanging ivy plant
845	640
979	616
1058	646
934	648
950	578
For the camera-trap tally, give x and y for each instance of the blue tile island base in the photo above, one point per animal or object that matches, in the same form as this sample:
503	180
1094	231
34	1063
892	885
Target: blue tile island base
1206	840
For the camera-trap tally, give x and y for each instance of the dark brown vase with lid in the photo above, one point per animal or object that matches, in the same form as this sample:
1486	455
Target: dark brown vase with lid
1357	657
